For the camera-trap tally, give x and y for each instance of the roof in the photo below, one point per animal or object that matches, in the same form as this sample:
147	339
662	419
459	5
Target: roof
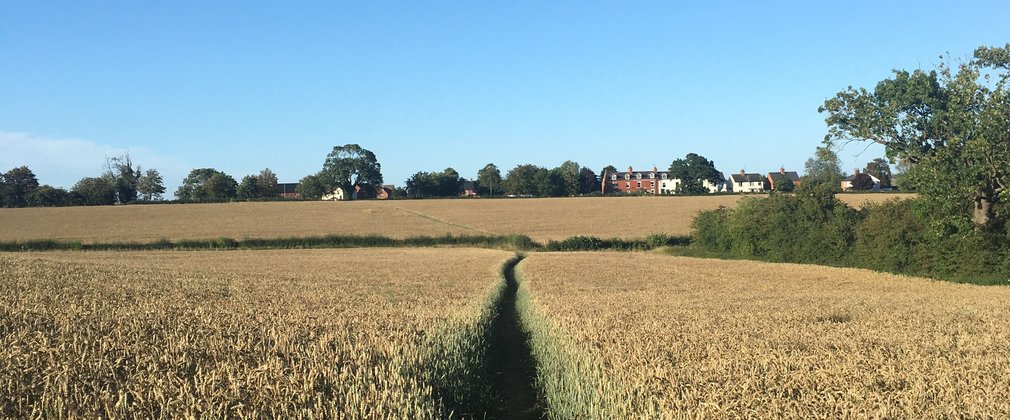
468	185
792	175
747	178
287	187
634	174
852	177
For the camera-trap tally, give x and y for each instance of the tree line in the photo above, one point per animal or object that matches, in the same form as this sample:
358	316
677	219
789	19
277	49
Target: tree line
121	182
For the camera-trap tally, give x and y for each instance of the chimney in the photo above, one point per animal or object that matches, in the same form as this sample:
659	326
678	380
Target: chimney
743	172
782	170
629	169
855	171
654	168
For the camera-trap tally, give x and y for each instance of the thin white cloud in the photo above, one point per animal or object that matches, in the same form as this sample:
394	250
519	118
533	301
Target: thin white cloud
63	162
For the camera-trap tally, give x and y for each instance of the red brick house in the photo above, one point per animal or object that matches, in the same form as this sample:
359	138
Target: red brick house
633	181
288	190
783	174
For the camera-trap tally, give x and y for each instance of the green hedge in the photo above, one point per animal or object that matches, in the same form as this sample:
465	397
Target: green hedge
816	228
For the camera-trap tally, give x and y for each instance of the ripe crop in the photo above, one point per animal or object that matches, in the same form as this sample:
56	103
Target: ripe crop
541	219
352	333
630	335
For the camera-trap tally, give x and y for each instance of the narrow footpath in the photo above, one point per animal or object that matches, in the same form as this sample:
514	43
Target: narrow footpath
511	360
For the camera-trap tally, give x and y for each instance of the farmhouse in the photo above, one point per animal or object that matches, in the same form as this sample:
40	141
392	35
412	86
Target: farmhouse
747	183
469	189
847	183
782	175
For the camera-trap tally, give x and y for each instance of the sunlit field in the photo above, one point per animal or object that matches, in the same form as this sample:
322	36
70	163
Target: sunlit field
541	219
632	335
373	333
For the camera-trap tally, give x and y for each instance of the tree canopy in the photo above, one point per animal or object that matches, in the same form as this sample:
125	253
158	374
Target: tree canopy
207	184
17	186
489	177
952	124
693	170
824	168
349	165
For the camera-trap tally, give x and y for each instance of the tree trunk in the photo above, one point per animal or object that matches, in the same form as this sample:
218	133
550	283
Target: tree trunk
982	215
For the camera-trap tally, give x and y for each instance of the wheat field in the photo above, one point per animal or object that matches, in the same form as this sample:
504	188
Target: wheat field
541	219
358	333
630	335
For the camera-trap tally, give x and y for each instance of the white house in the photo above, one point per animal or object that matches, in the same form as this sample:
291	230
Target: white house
847	182
744	182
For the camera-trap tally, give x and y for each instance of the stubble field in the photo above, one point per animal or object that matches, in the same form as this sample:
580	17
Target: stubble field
376	333
541	219
643	335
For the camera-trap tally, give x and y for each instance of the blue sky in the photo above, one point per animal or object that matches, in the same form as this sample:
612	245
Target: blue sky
240	86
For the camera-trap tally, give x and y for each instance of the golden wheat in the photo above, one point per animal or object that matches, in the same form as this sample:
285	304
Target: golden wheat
305	334
541	219
629	335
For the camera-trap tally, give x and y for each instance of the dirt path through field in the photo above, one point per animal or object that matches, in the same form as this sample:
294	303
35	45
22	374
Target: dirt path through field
511	360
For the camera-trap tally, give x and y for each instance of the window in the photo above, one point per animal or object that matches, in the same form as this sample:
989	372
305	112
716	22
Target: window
652	175
652	184
639	184
614	176
664	176
627	176
739	184
638	176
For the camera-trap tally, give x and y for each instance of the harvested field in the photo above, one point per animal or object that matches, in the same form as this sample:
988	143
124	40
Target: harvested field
647	336
290	334
541	219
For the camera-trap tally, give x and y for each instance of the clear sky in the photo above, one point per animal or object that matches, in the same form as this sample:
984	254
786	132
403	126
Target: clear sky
244	85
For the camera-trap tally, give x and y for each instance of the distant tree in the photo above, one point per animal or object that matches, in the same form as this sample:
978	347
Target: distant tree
17	186
692	171
266	183
95	191
150	186
588	182
552	183
311	188
522	180
348	165
607	170
449	183
47	196
124	176
220	186
434	184
198	186
862	182
248	188
569	172
489	177
881	169
824	168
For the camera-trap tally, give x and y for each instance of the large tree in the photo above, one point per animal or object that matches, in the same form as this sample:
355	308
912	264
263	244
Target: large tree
248	188
693	170
569	172
952	124
17	186
266	183
824	168
311	188
195	187
95	191
349	165
124	176
588	182
522	180
489	177
150	186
